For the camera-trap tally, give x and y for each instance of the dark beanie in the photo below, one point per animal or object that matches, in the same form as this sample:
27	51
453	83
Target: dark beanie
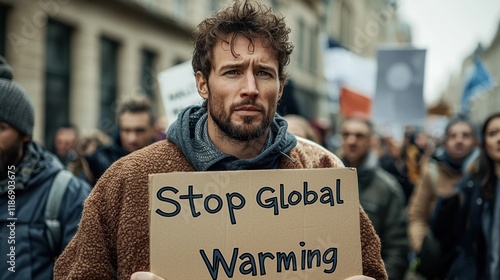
15	106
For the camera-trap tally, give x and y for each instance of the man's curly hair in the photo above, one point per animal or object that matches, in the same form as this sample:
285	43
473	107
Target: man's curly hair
248	19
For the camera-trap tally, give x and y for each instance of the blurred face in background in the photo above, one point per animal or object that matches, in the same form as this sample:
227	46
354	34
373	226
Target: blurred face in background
492	140
66	139
460	141
136	130
356	141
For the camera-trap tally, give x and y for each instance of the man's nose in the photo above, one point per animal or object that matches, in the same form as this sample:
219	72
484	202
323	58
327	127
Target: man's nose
250	85
351	138
132	137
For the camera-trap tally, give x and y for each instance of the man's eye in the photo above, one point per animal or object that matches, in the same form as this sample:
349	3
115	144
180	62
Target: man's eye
263	73
231	72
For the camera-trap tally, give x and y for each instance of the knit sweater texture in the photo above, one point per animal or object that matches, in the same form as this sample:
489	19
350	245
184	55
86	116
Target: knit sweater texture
113	239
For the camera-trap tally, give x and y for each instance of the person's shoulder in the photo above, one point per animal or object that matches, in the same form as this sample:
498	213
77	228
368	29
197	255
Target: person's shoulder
387	180
160	150
102	152
385	176
313	155
79	183
159	157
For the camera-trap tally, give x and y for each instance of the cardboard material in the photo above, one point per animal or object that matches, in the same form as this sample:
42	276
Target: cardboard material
269	224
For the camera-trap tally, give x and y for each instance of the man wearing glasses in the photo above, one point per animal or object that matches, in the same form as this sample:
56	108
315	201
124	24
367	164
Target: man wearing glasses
380	194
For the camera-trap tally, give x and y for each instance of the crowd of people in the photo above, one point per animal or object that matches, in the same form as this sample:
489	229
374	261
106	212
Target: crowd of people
428	209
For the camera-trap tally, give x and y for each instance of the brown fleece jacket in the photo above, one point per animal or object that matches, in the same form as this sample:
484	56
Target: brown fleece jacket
113	239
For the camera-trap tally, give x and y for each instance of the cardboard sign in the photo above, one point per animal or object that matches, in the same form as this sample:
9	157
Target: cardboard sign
178	89
270	224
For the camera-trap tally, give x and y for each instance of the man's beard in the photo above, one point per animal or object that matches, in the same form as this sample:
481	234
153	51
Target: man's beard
9	157
244	132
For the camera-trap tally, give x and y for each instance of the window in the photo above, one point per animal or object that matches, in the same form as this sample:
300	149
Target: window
109	84
3	29
57	78
148	73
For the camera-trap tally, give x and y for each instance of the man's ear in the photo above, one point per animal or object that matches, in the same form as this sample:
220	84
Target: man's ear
202	85
282	86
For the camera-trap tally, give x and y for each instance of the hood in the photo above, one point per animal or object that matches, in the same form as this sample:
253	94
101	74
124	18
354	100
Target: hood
190	133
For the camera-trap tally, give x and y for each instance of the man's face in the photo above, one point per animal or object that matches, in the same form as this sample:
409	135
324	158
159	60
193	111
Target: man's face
355	141
460	141
11	147
242	91
136	131
65	141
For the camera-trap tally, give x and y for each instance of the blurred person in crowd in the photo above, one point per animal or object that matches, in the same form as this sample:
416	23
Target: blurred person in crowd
87	144
417	150
379	193
446	167
136	129
321	128
65	142
239	63
391	160
299	126
91	141
466	220
27	175
396	158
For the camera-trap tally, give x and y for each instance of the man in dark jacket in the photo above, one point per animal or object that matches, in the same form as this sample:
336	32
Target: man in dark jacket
380	195
136	130
27	173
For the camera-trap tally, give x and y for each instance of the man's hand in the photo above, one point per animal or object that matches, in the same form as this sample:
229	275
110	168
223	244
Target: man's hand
141	275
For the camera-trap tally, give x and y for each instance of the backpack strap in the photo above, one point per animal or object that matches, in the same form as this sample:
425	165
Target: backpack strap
51	215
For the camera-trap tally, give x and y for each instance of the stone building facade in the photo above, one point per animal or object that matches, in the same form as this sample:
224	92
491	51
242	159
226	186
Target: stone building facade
76	58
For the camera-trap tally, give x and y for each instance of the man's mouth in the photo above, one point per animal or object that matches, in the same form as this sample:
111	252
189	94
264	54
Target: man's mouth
247	110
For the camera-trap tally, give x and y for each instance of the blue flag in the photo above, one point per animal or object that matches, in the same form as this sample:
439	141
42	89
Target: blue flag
477	83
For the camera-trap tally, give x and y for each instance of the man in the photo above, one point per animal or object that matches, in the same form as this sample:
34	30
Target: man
27	174
239	61
65	143
379	193
136	130
439	176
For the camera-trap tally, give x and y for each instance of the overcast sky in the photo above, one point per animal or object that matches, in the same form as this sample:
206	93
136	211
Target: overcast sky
450	31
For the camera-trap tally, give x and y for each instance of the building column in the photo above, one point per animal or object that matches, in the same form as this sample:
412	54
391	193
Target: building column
25	52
